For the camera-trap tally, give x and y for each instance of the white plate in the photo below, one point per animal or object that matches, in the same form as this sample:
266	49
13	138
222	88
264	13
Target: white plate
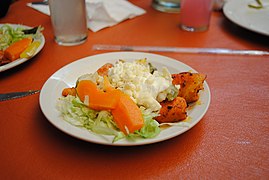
256	20
67	76
22	60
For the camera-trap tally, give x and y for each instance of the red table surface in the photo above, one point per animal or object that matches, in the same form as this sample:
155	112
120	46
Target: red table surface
230	142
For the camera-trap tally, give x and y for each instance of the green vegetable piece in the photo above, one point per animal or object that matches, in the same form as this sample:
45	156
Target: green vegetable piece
259	6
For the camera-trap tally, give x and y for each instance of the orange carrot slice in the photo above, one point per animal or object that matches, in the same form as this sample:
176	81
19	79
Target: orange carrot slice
97	99
127	115
84	88
14	50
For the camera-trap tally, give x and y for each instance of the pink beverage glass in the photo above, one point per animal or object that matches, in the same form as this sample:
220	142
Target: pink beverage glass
195	14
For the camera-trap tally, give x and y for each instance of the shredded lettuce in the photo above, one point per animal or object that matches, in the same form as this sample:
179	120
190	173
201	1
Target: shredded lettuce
151	126
101	122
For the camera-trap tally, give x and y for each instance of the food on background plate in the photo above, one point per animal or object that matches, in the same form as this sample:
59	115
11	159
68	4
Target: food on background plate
18	42
257	4
129	99
14	51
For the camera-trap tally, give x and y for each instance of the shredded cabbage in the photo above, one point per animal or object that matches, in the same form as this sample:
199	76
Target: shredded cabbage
101	122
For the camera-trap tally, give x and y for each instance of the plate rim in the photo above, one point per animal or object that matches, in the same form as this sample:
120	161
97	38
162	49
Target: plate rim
118	143
226	12
21	60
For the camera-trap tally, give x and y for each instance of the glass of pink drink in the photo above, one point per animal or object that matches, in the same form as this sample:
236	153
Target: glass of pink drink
195	14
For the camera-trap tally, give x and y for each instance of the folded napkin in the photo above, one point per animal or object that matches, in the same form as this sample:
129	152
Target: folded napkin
102	13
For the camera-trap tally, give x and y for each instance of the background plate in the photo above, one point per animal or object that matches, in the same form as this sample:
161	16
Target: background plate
22	60
67	76
256	20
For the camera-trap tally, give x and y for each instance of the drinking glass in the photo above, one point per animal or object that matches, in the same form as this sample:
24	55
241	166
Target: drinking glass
69	21
195	14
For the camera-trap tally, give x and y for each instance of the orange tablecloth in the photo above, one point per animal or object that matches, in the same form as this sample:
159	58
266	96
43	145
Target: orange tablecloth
231	141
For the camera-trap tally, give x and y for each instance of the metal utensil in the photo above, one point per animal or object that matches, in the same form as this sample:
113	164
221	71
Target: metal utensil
14	95
180	50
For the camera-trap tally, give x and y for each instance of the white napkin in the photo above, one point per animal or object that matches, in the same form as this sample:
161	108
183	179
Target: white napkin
102	13
40	7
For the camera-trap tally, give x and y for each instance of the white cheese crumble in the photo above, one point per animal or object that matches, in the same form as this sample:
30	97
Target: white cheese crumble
135	79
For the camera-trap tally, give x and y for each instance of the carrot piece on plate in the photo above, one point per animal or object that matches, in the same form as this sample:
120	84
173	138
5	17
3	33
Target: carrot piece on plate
89	93
14	50
127	115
